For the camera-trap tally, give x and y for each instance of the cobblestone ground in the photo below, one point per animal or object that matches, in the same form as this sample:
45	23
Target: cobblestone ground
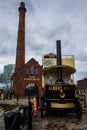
60	122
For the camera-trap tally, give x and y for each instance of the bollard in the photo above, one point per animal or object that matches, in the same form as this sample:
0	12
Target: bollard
29	122
11	120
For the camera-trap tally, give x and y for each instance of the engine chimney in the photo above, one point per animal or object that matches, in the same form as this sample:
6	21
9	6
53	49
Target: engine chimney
59	62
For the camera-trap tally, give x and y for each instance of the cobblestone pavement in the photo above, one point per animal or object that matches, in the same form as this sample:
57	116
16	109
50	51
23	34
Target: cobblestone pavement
60	122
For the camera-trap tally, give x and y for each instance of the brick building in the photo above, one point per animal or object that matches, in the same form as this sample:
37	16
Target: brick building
82	83
26	74
30	74
82	93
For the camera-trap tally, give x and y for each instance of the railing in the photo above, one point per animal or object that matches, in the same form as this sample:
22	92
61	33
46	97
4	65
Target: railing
68	56
62	56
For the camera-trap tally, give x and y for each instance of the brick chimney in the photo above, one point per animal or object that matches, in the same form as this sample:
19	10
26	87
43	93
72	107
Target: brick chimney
20	51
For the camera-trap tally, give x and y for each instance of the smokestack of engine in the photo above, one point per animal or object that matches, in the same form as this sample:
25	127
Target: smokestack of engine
59	62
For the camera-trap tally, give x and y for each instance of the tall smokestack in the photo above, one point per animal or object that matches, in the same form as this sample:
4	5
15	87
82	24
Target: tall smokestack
20	52
59	61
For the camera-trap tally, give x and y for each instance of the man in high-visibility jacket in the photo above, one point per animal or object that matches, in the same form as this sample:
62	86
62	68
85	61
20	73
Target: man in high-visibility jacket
35	106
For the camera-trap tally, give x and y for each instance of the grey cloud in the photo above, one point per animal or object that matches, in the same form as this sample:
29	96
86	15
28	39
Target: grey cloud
46	21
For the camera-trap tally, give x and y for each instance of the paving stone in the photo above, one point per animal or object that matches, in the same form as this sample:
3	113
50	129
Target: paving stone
66	122
59	122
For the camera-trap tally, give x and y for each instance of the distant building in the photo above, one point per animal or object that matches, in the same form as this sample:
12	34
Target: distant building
8	71
82	93
2	78
5	77
82	83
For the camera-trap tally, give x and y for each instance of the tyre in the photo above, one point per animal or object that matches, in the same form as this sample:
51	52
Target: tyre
41	106
79	114
79	111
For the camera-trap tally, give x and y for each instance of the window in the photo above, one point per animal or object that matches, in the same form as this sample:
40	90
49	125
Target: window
49	79
27	72
32	70
37	71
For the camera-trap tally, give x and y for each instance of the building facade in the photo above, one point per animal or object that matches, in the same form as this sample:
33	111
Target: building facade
29	75
82	83
2	78
82	93
8	72
6	76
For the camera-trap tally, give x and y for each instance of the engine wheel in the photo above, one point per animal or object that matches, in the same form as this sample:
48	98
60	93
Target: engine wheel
78	108
79	113
42	106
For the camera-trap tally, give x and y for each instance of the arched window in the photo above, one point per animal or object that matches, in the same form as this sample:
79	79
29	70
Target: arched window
37	71
27	71
32	70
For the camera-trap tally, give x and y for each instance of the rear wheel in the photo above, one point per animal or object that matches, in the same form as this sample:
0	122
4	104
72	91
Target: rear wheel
79	112
42	106
78	109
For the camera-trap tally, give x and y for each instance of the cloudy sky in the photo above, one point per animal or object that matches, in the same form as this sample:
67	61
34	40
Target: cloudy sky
46	22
